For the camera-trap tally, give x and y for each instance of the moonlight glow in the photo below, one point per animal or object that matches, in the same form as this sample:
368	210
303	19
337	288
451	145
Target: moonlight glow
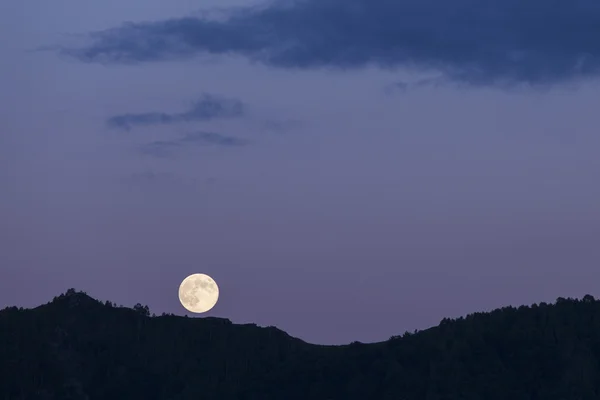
198	293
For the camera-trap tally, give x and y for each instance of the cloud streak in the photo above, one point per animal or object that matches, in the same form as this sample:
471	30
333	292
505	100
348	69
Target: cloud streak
208	107
483	42
166	148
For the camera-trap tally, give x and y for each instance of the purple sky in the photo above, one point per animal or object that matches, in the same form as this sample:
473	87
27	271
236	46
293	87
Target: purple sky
329	186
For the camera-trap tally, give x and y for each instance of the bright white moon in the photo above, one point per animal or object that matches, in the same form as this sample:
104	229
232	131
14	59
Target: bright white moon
198	293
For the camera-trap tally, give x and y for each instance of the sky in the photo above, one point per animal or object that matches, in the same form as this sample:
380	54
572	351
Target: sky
345	170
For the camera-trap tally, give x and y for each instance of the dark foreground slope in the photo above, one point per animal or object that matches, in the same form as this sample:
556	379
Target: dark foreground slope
78	348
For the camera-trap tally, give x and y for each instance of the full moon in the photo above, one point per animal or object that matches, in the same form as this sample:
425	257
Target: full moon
198	293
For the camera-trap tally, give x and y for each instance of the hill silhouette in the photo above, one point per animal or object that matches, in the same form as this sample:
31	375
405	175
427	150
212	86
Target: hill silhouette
76	347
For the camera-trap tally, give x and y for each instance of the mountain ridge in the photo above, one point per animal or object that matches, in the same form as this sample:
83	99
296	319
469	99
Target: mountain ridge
77	347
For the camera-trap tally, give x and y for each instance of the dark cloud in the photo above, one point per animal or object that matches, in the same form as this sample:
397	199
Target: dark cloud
206	108
474	41
166	148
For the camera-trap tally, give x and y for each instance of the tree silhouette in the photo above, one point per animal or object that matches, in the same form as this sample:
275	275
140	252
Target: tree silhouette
142	310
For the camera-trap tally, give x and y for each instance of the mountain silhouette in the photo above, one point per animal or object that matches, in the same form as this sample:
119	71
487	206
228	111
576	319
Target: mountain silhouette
76	347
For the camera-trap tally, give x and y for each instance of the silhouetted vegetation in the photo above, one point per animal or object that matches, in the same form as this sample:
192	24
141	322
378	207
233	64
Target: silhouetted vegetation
76	347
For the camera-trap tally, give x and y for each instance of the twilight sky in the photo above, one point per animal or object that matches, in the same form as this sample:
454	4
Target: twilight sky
344	169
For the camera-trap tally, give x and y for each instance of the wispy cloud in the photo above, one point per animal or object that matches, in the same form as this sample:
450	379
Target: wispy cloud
483	42
208	107
435	82
167	148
